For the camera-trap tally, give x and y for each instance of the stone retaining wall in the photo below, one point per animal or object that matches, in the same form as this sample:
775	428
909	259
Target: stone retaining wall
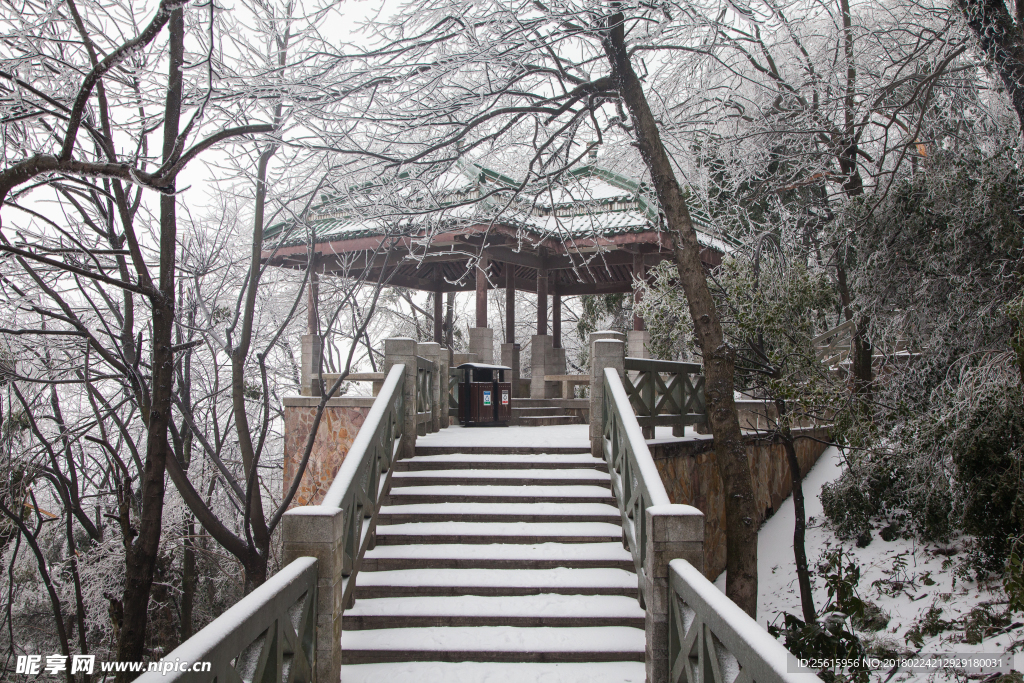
339	425
689	470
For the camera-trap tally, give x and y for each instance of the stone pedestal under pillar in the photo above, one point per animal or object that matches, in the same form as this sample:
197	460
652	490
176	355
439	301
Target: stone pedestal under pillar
541	359
510	358
638	343
460	358
481	343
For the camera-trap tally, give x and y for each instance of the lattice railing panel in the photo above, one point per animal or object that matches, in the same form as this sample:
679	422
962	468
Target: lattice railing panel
711	640
665	392
269	636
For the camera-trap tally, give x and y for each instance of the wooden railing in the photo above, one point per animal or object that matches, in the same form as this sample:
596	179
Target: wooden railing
424	389
635	479
268	636
834	347
708	639
665	392
358	486
711	640
275	634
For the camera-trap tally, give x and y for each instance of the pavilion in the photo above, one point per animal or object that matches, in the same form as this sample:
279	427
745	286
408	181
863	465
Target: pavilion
596	232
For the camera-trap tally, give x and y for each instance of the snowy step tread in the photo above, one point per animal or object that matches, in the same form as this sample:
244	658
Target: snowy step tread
574	458
575	491
540	475
497	639
560	577
595	509
496	672
598	529
503	551
544	605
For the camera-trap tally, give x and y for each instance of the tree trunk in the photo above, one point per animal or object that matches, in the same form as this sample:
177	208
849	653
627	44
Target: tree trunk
142	554
188	579
1002	42
719	357
803	574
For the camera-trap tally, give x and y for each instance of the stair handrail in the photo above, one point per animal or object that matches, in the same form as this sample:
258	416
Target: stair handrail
707	632
711	635
425	371
259	633
635	479
358	486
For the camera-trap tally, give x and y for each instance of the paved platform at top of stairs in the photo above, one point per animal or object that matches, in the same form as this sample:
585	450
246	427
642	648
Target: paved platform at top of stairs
553	439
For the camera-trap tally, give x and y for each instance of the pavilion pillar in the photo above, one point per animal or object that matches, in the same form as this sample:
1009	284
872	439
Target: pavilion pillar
310	353
449	317
556	365
438	317
510	350
542	301
481	292
556	320
510	303
638	338
481	337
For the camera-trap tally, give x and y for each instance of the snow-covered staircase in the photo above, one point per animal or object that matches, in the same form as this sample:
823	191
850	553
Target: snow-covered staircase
496	554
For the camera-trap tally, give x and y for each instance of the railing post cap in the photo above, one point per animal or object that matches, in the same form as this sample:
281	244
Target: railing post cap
605	344
313	524
400	346
675	523
607	334
674	510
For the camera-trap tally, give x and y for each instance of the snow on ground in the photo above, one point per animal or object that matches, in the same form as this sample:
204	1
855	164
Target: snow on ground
906	595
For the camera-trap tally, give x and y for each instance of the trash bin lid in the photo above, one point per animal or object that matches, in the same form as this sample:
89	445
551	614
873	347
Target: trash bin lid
482	366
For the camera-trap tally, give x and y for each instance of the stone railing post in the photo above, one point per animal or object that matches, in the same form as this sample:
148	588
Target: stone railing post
673	532
309	358
316	531
403	350
606	351
432	352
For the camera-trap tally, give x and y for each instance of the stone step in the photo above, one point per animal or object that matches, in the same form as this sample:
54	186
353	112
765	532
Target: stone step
505	512
575	403
495	477
412	495
496	672
494	644
548	421
423	533
534	412
500	449
495	582
609	555
527	610
498	461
